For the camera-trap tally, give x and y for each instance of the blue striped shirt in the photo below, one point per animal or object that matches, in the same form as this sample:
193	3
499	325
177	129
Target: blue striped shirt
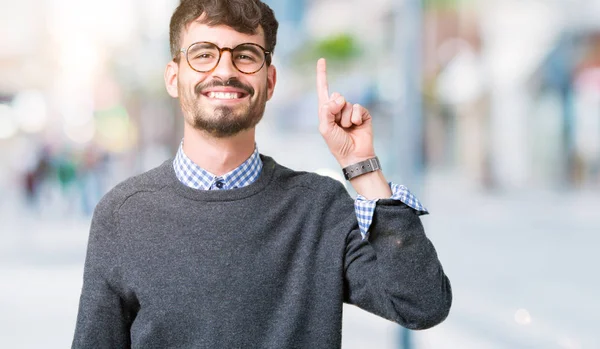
248	172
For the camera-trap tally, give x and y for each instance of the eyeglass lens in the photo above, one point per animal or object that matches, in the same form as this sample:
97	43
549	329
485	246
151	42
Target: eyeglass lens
247	58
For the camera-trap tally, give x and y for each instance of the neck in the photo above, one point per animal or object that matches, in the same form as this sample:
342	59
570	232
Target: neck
218	155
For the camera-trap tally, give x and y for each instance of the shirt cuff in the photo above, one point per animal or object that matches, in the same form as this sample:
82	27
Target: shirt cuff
366	208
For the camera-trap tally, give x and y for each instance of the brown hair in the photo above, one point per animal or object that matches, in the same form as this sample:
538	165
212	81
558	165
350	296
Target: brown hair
245	16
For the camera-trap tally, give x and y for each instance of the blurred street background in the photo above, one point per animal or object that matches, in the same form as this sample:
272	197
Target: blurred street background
489	110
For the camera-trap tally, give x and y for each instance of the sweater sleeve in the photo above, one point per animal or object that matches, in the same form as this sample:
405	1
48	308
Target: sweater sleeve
104	317
395	273
365	208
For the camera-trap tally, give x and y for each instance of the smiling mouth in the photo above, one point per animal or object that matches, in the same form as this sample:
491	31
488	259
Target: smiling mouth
225	95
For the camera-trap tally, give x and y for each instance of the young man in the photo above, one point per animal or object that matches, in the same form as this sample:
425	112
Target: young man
221	247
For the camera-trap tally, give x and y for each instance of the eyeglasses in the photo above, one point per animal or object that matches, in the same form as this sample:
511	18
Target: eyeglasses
248	58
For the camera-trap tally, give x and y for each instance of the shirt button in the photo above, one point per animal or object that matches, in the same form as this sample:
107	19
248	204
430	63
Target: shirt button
219	185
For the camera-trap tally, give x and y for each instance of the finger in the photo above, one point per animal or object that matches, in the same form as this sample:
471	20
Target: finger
360	114
346	115
322	86
336	106
335	96
330	111
357	112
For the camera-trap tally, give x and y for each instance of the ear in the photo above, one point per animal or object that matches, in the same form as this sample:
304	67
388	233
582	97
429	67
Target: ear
171	73
271	80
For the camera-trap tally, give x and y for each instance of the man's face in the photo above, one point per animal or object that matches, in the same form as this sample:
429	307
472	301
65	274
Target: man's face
224	101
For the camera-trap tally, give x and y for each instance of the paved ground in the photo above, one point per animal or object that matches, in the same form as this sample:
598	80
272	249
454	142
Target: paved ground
523	269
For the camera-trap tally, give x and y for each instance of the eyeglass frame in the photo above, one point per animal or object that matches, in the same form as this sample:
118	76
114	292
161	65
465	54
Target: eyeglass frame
267	54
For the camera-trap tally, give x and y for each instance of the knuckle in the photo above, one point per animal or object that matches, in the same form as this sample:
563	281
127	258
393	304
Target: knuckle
322	129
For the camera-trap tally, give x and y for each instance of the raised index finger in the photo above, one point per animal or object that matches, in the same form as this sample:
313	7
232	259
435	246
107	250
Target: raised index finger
322	86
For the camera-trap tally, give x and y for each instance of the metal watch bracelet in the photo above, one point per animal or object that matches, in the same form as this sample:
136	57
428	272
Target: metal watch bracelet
360	168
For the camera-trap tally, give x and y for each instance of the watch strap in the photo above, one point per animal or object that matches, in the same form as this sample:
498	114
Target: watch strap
360	168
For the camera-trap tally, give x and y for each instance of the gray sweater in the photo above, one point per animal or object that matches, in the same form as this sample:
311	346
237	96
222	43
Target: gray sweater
264	266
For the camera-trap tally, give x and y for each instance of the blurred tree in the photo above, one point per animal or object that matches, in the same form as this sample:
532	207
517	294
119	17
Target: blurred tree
441	4
340	49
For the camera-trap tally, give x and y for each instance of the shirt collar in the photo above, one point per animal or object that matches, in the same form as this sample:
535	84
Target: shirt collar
196	177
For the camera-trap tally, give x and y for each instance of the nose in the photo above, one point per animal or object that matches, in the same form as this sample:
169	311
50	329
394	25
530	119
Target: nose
225	69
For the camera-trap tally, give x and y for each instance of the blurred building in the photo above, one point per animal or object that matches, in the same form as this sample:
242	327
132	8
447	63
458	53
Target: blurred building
566	88
500	91
508	86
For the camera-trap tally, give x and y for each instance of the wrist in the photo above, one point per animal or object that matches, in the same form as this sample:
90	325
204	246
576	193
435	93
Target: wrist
366	178
348	161
361	168
372	186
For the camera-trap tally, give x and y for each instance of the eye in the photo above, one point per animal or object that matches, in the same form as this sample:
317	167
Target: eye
205	55
244	57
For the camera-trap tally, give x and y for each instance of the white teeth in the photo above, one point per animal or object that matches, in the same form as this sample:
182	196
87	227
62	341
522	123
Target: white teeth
224	95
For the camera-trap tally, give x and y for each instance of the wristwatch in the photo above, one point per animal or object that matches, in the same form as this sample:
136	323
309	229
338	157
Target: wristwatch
360	168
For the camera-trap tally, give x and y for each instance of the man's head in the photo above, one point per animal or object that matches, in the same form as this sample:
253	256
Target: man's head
245	16
223	100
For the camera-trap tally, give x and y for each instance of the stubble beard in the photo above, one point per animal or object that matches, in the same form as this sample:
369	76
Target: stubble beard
222	121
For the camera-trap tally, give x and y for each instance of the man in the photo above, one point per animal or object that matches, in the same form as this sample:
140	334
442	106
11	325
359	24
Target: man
221	247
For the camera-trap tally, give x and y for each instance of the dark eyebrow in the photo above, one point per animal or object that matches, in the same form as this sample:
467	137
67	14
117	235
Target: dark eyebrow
249	47
204	45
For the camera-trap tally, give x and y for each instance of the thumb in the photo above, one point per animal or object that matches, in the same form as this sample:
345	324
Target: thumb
328	111
336	103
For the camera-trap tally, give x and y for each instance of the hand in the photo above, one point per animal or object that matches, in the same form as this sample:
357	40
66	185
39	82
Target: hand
347	128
